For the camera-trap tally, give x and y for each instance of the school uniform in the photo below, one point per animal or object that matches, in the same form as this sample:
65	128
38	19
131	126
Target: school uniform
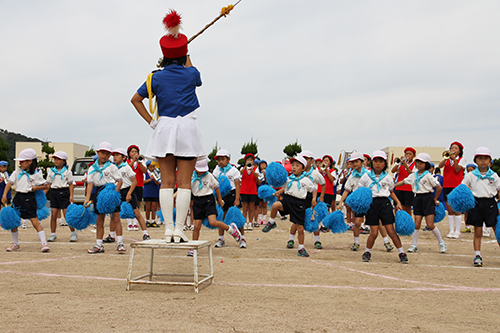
127	174
151	190
248	189
484	187
202	190
4	178
295	196
318	181
329	198
451	178
99	177
59	181
381	207
352	183
423	202
177	130
404	193
233	175
25	199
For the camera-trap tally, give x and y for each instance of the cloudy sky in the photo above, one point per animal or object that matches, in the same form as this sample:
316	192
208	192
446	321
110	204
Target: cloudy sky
334	75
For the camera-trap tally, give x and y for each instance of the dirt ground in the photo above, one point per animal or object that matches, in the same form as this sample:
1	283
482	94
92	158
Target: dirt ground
264	288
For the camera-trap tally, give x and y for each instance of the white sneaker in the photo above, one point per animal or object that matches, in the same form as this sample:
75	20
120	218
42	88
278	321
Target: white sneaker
442	247
487	233
413	248
243	244
136	227
220	243
451	234
457	235
191	227
130	227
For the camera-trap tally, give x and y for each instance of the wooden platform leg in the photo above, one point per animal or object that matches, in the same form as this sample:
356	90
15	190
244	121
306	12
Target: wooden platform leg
130	263
195	261
211	262
151	264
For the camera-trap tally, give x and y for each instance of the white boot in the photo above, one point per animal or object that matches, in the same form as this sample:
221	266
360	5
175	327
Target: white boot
183	202
167	209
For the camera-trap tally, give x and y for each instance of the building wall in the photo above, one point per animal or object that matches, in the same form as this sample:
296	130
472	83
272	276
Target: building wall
74	150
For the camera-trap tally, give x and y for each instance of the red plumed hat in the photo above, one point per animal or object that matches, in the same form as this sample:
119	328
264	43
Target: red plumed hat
173	44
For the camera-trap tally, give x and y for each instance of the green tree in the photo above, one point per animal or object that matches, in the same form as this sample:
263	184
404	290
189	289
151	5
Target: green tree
496	166
46	162
248	148
90	152
293	149
211	162
4	149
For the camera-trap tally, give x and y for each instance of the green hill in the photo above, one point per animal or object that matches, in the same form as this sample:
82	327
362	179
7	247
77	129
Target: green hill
10	139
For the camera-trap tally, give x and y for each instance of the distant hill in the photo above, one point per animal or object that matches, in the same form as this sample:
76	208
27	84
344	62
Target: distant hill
11	138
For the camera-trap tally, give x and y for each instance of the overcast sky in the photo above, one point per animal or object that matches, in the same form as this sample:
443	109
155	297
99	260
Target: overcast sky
334	75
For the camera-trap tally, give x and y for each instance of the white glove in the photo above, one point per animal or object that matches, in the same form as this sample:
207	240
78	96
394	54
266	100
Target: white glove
153	123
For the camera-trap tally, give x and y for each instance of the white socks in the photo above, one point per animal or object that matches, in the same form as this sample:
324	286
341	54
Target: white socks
15	237
451	222
438	235
41	235
415	236
291	237
167	205
458	223
183	201
356	240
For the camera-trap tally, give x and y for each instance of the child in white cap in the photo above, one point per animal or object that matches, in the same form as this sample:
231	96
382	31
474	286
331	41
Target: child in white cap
4	179
101	173
424	204
203	185
224	168
382	186
60	179
26	179
293	202
485	185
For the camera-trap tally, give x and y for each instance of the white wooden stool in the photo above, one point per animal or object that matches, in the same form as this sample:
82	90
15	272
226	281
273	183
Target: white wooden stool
162	244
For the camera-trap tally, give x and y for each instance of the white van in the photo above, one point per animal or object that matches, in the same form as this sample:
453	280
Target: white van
79	169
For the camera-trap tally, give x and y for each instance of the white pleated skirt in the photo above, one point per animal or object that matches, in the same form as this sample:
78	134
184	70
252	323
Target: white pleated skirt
177	136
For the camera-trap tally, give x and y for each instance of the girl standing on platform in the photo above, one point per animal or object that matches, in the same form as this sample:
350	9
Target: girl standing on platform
381	185
26	180
60	179
176	142
424	204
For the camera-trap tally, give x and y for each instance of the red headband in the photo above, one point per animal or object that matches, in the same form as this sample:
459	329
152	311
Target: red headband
458	144
411	149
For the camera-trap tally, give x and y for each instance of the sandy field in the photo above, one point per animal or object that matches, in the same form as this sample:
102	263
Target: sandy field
264	288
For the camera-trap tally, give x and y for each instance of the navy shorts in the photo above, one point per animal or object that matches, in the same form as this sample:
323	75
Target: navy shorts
380	210
204	206
446	191
133	201
248	198
486	211
294	207
328	199
138	191
26	203
424	204
229	200
59	198
405	197
152	199
309	198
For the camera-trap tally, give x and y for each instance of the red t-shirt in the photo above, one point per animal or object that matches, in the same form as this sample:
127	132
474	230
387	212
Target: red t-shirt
328	184
139	175
402	174
451	178
248	183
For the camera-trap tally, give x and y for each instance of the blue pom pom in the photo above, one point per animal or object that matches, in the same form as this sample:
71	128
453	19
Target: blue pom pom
160	215
461	199
74	216
224	185
440	213
220	217
360	200
41	199
89	217
235	216
321	210
276	174
108	199
43	213
497	230
405	226
126	211
10	218
335	222
266	192
309	224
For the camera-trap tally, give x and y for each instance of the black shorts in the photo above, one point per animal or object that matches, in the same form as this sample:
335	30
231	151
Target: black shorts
133	201
152	199
486	211
405	197
309	198
204	206
424	204
362	215
138	191
294	207
446	191
183	158
248	198
328	199
229	200
59	198
26	203
380	210
93	197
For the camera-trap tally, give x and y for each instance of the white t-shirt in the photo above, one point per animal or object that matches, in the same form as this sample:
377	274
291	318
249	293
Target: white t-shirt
306	185
233	175
426	184
482	188
127	175
25	184
58	181
209	185
109	175
386	185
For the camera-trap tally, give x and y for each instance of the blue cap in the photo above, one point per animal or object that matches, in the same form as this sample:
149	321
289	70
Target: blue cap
257	161
472	165
432	164
262	161
4	163
148	163
95	157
